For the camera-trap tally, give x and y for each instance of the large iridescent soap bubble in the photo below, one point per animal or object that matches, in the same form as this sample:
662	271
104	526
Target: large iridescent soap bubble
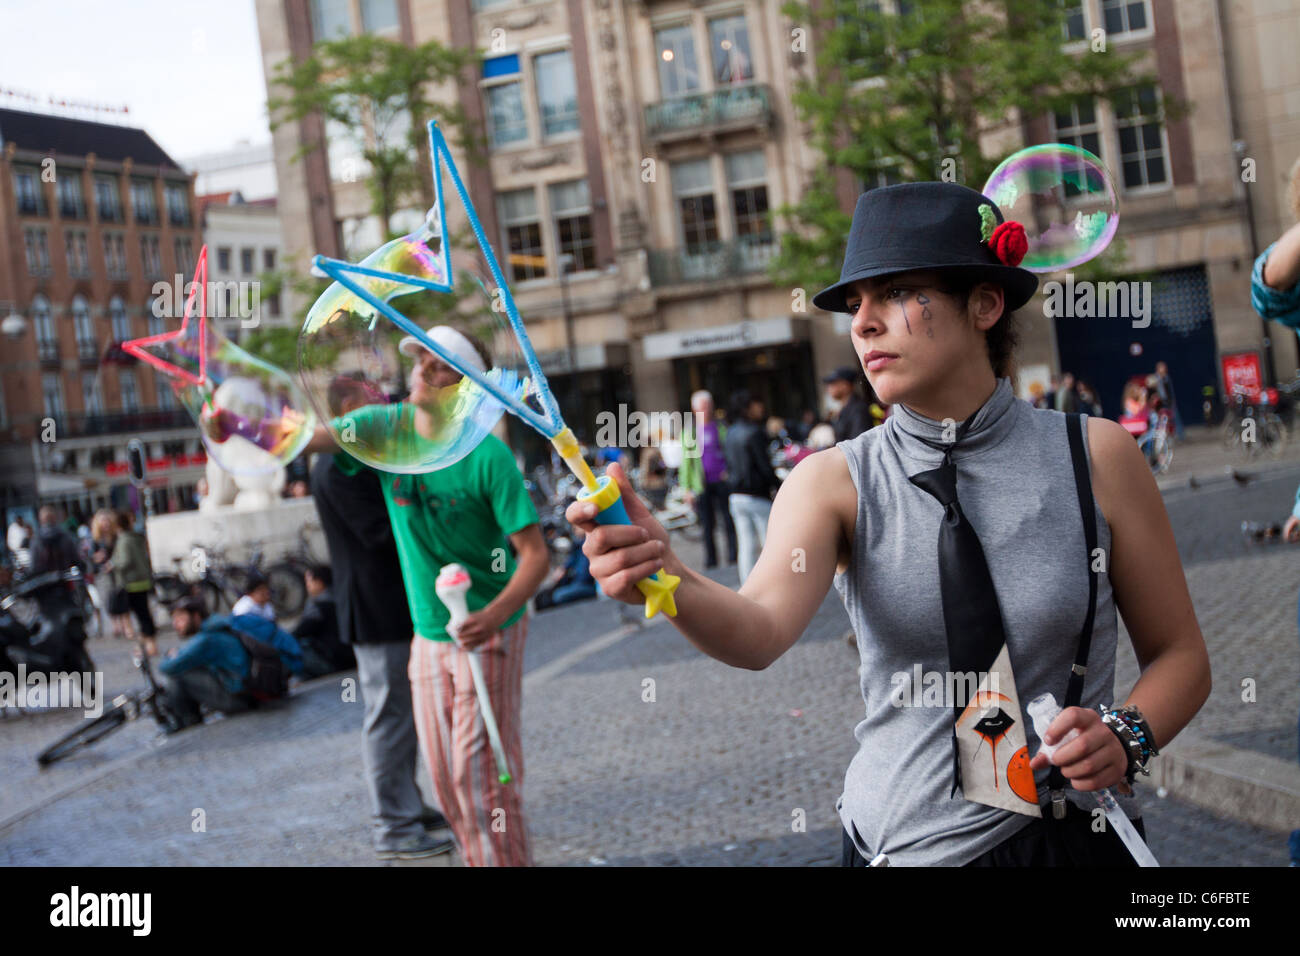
1064	197
252	416
386	398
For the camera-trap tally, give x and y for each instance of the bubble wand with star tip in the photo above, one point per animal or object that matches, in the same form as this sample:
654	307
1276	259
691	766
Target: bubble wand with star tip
603	492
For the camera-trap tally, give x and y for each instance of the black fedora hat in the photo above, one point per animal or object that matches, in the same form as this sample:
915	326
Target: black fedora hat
944	227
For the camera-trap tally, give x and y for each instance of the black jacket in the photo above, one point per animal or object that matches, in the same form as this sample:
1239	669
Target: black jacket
368	589
749	469
318	632
854	418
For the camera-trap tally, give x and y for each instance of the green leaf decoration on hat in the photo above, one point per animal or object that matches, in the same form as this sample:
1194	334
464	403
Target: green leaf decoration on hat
988	221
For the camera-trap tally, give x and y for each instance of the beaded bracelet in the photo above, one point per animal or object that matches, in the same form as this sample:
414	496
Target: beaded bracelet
1128	724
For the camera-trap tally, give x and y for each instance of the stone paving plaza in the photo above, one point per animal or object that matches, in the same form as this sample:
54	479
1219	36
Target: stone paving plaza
716	770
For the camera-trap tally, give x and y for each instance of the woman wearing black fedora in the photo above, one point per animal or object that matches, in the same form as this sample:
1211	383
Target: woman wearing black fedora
982	549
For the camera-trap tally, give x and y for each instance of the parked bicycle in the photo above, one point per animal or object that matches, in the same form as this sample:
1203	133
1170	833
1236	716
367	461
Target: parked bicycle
123	709
1253	427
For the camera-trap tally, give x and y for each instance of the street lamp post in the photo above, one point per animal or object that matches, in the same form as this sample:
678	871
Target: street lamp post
566	262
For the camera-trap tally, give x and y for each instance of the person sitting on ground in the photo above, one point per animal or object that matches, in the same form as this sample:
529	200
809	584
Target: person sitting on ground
214	668
318	628
256	599
568	583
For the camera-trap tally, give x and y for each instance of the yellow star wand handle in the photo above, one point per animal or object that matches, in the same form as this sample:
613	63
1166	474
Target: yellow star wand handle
604	494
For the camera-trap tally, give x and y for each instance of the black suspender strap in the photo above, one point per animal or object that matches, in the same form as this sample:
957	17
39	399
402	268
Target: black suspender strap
1087	510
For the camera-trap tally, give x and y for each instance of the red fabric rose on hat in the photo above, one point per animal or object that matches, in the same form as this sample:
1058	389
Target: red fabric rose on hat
1008	242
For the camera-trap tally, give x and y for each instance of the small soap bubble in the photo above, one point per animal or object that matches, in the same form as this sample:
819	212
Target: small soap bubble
1064	197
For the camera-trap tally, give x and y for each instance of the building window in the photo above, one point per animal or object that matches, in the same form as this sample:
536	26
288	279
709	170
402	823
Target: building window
108	200
29	192
1074	25
273	305
72	204
166	398
505	101
268	260
184	250
1078	126
47	343
92	399
178	205
571	211
115	255
347	163
246	261
223	258
557	92
151	255
693	188
1141	137
143	205
378	15
678	72
87	348
127	390
1124	16
118	318
38	252
78	255
747	180
485	4
153	321
330	19
52	393
523	234
729	40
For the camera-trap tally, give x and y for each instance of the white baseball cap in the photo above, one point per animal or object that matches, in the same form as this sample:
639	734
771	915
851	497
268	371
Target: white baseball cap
448	339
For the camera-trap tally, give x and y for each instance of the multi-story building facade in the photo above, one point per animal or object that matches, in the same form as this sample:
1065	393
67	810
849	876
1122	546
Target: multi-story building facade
243	240
635	147
92	217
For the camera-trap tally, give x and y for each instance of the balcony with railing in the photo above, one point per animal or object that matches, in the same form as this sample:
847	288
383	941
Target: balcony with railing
710	261
88	350
48	351
722	110
77	424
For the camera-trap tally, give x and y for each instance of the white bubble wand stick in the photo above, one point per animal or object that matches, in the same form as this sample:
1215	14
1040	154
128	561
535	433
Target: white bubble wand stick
1043	710
451	586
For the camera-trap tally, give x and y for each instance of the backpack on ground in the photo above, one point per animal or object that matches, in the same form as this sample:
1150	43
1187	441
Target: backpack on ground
268	678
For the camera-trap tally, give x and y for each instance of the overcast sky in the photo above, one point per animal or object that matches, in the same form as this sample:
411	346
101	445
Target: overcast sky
190	71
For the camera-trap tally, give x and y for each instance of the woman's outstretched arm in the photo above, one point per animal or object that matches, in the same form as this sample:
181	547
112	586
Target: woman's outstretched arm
806	538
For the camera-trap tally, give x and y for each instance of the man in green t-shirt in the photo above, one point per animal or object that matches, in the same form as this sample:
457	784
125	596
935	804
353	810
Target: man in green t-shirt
470	513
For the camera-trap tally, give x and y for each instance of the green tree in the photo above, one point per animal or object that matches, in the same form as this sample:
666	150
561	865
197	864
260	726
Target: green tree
372	87
909	95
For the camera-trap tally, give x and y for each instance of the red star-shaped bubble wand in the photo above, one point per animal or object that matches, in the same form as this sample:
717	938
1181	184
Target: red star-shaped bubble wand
199	291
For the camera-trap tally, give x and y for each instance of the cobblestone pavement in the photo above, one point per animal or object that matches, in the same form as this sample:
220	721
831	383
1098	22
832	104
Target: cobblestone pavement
717	769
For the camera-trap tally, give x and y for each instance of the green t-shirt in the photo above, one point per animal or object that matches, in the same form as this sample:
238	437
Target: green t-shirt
459	514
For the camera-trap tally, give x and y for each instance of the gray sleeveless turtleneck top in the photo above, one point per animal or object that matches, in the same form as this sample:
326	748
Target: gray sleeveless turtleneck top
1016	485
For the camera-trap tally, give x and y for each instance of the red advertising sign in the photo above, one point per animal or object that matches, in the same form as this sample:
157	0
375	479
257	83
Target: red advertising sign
1242	375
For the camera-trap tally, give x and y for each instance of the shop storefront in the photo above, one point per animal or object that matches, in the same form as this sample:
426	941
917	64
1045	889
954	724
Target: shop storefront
772	358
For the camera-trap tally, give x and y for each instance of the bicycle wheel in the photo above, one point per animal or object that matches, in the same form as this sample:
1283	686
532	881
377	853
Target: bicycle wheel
212	596
288	591
1162	454
1273	437
1231	433
84	736
170	588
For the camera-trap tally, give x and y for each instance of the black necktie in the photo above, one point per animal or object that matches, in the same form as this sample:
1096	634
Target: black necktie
971	617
